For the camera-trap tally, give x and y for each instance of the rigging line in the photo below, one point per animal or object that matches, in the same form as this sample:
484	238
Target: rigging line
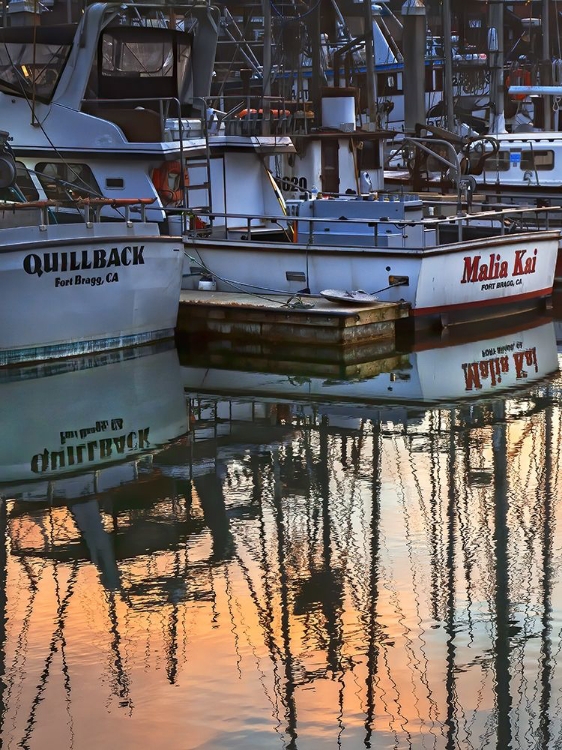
414	663
56	637
269	595
434	524
433	712
242	38
372	536
456	716
233	59
67	186
230	602
121	680
22	641
290	681
171	648
239	284
33	86
463	513
288	20
247	630
64	665
40	124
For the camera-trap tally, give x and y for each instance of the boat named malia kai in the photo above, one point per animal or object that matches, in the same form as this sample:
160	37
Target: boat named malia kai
448	269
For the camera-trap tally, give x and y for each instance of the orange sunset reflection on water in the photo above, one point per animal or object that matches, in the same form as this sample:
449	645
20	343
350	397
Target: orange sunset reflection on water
298	577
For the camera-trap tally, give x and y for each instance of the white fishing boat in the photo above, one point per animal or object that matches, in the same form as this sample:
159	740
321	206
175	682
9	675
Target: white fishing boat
138	121
81	287
68	289
448	270
133	122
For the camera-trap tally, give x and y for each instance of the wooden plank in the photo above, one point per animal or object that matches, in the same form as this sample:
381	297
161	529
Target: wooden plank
278	319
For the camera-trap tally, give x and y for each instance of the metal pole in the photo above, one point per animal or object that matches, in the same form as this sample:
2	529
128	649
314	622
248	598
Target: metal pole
448	66
546	68
266	70
317	79
495	49
502	646
413	77
370	66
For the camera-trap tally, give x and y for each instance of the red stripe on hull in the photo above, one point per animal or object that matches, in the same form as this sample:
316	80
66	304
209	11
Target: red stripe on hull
540	293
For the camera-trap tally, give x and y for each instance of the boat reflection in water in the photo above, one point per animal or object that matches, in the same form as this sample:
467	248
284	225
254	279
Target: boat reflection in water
323	564
458	370
81	430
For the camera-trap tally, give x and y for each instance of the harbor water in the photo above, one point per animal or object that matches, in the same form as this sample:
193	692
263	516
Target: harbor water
200	556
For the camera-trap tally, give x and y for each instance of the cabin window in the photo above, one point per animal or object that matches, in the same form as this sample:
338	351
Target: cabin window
368	155
430	83
330	166
143	63
539	160
387	84
67	181
29	66
115	183
438	73
499	163
25	183
129	57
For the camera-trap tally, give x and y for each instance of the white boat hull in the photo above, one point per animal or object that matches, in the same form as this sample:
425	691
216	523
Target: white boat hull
462	278
486	368
73	289
85	419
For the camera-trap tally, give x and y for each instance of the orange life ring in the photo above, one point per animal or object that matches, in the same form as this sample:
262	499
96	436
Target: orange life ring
275	113
518	77
170	180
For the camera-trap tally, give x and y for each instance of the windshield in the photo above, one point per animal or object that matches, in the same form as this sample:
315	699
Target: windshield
32	60
145	53
31	71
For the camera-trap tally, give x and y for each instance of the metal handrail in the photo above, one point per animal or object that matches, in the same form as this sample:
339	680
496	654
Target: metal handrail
429	224
384	220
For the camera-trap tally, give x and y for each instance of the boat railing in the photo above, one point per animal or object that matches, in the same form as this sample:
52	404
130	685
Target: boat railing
254	114
435	229
89	209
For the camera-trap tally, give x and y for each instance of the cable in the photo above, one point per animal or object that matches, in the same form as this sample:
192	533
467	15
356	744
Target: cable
40	124
239	284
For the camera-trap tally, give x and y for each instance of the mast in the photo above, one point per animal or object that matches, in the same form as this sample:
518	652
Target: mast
373	647
546	670
317	79
290	685
370	65
413	77
266	69
501	646
546	67
495	49
448	66
450	630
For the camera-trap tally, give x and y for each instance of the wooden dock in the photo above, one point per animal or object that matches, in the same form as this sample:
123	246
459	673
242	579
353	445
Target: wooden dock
285	323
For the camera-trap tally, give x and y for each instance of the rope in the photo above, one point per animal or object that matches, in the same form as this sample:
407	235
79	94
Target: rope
294	301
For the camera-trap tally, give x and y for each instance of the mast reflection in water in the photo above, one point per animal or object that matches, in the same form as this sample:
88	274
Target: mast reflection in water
318	563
